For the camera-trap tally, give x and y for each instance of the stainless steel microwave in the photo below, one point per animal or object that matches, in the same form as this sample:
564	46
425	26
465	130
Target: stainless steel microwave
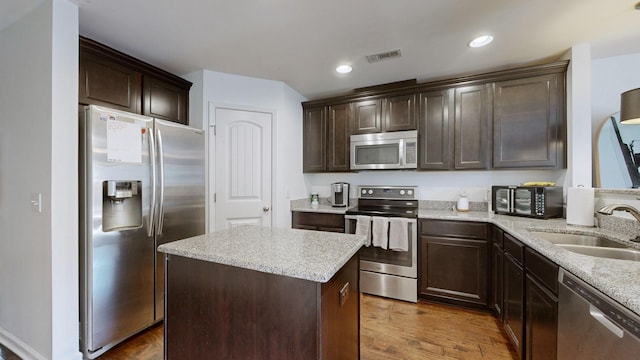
389	150
531	201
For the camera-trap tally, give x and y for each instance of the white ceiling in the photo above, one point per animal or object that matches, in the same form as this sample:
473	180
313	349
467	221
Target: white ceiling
301	42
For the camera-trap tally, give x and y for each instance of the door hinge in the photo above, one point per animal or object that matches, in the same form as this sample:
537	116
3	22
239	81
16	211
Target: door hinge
214	197
214	130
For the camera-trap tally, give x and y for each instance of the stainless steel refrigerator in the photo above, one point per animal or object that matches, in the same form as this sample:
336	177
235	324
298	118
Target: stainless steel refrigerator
142	185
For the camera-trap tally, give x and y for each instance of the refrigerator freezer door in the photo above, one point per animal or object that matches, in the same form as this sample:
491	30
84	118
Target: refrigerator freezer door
117	267
181	208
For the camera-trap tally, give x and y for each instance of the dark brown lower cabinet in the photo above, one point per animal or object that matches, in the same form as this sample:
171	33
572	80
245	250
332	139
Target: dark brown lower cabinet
513	288
497	273
453	267
317	221
541	329
216	311
542	321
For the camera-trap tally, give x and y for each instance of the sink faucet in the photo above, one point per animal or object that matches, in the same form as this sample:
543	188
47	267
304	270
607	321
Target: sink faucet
608	210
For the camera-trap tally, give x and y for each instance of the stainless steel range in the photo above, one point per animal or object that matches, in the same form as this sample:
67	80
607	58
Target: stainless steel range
388	215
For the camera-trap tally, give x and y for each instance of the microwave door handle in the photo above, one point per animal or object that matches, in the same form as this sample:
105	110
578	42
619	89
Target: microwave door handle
401	152
512	200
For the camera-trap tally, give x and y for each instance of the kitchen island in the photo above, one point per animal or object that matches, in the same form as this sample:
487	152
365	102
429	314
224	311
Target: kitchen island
255	292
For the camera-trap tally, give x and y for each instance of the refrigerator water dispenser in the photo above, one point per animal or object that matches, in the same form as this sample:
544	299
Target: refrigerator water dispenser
121	205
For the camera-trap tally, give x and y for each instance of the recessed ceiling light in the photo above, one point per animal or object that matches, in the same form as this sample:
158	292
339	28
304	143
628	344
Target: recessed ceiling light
481	41
344	69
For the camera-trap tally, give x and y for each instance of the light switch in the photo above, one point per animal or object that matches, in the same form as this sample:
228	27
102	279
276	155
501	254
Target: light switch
36	202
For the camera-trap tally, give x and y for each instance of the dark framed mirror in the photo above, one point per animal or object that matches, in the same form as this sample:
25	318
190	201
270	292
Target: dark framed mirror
616	152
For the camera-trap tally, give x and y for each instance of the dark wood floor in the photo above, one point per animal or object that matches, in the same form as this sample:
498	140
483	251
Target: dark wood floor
390	330
6	354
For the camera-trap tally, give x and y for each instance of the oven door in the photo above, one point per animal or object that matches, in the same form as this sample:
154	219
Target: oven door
524	201
376	259
501	199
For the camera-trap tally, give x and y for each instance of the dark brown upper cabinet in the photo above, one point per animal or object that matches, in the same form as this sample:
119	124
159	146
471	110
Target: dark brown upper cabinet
314	139
326	131
528	126
165	100
395	113
339	130
367	116
110	78
472	111
399	113
108	83
505	119
435	130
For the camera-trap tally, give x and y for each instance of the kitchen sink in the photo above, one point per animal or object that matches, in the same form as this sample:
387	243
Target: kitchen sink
578	239
604	252
591	245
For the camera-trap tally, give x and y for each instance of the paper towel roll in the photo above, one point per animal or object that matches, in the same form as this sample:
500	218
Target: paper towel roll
580	206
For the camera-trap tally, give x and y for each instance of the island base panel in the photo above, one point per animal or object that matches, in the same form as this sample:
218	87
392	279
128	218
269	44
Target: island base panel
225	312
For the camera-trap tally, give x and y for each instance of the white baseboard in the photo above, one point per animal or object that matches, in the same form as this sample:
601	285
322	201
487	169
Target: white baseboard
19	347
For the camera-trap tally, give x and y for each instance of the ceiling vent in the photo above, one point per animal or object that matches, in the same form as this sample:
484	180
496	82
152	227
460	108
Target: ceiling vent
384	55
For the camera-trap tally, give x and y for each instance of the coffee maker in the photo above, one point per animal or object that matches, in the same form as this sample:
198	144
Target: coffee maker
339	194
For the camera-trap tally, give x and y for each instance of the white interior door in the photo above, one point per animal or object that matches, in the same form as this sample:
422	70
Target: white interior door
242	168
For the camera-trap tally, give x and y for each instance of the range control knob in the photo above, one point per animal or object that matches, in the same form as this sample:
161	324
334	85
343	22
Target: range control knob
370	192
409	192
401	192
364	191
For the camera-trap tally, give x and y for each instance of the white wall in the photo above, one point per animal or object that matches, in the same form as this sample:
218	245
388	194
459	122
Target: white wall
579	159
212	89
38	154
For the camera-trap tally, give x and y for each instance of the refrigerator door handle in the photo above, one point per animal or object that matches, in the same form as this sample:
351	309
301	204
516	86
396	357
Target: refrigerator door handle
152	160
161	176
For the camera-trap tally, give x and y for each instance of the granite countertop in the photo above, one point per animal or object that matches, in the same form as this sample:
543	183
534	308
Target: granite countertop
308	255
303	205
326	209
619	279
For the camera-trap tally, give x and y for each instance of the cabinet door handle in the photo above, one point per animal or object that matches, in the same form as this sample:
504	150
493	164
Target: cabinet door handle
344	293
265	209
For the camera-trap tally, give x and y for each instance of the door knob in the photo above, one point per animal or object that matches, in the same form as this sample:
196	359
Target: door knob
265	209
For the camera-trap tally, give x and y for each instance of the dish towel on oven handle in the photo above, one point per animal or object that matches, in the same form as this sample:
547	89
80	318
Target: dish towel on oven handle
399	234
363	227
380	231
